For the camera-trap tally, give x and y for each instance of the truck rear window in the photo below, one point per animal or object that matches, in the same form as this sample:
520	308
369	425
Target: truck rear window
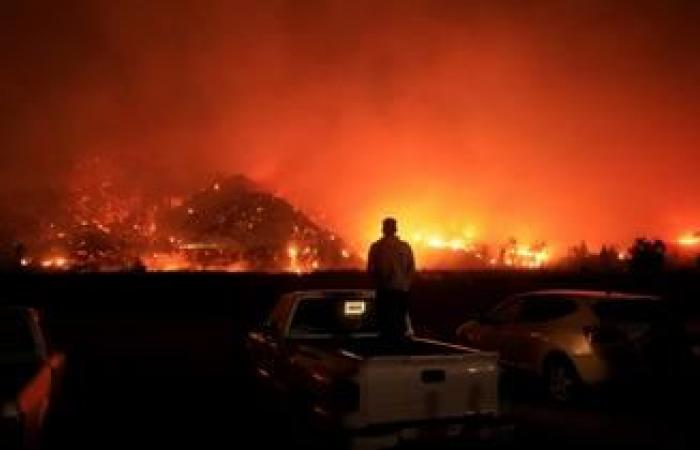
319	317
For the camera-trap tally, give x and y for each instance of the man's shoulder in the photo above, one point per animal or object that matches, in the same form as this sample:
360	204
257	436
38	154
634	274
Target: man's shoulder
389	244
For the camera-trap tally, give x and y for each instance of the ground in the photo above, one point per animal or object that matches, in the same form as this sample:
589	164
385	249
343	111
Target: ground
155	360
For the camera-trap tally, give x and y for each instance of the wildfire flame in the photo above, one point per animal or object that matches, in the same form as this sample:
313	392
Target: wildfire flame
512	255
689	239
105	229
56	262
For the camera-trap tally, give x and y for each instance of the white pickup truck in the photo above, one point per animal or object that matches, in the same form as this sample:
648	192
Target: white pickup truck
323	352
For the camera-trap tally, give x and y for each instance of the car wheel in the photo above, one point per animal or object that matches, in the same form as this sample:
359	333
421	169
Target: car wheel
562	381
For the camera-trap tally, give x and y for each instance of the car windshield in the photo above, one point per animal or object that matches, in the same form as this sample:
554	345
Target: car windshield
334	317
641	310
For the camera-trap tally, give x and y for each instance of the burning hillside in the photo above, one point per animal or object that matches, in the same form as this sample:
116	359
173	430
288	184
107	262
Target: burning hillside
231	225
102	222
235	225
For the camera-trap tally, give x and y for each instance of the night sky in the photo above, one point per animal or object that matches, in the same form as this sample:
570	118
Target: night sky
555	120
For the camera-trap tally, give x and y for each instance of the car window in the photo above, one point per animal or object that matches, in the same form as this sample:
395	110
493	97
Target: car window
334	317
280	314
505	312
545	308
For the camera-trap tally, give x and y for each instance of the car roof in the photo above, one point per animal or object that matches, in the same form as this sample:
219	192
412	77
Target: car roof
590	295
320	294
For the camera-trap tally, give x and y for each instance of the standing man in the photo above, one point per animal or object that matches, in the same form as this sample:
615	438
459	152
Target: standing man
391	266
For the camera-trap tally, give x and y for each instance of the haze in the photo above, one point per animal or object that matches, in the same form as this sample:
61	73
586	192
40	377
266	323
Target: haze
546	120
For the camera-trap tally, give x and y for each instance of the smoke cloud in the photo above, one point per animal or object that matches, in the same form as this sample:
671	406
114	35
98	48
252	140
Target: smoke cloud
555	120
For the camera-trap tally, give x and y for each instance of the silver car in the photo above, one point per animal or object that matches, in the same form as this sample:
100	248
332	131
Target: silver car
576	338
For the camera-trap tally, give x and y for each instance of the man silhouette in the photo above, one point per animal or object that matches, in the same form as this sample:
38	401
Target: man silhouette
391	266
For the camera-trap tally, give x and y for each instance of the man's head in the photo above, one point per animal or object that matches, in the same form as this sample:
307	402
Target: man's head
389	226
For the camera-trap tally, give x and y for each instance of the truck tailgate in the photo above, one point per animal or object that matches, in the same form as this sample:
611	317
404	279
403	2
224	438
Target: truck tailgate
419	388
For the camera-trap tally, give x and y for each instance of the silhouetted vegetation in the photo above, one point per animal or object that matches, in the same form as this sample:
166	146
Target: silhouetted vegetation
647	256
580	258
608	257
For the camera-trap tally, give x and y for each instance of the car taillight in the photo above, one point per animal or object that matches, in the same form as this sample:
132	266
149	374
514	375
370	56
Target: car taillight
346	396
601	335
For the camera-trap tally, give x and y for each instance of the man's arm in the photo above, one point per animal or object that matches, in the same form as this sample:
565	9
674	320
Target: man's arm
372	261
411	269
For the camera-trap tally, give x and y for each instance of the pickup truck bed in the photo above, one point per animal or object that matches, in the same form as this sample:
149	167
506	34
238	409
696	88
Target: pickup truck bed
374	348
319	348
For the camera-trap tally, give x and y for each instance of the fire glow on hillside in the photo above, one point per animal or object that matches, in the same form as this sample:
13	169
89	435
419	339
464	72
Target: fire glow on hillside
232	225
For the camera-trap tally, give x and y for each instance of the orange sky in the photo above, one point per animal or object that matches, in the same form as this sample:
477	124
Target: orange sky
554	120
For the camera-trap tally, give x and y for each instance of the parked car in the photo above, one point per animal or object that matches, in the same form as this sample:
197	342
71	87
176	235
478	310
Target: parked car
577	338
321	351
30	377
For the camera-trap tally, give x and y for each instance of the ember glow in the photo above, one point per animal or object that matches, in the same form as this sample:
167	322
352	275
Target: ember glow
56	262
690	240
180	261
232	225
445	246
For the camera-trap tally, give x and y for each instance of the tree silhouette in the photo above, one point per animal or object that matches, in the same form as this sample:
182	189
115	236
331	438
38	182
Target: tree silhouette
580	252
647	256
608	257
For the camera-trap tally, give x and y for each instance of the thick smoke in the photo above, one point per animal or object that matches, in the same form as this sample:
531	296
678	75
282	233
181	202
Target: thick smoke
562	120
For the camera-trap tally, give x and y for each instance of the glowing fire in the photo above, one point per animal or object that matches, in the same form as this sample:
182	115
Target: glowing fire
529	257
166	262
304	260
511	255
293	253
690	239
55	262
439	241
178	262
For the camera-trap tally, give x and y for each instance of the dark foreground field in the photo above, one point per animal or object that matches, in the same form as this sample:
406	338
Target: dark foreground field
154	361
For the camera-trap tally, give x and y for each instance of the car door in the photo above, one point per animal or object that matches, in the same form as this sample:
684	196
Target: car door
494	329
526	332
535	330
